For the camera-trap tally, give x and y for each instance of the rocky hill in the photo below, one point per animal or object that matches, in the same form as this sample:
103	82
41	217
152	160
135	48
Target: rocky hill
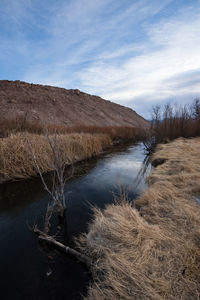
59	106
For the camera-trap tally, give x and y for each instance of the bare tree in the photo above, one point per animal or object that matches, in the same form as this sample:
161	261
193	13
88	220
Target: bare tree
156	114
57	193
58	165
196	109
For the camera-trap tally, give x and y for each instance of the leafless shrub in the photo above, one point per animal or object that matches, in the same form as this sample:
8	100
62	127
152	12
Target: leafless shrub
59	179
196	110
172	122
57	193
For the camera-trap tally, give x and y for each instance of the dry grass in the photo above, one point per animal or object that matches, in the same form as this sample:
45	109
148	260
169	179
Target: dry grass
154	252
115	132
21	124
16	160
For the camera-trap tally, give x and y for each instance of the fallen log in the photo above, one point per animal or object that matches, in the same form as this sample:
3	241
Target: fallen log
65	249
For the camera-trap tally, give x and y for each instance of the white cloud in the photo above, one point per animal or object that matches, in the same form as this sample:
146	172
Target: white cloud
174	48
84	32
130	52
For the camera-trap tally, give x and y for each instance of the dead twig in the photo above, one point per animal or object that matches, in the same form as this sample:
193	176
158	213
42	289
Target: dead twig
65	249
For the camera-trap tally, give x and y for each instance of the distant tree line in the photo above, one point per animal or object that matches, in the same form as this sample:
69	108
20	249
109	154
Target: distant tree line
173	121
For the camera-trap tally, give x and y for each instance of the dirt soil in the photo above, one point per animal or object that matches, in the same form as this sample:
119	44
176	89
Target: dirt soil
59	106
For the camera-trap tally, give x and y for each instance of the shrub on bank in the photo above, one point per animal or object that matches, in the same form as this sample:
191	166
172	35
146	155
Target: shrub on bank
171	122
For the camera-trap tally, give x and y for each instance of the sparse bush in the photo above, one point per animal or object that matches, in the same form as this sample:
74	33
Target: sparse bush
172	122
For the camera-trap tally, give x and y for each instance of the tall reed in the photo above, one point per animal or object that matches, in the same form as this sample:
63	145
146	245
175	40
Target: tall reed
22	124
16	160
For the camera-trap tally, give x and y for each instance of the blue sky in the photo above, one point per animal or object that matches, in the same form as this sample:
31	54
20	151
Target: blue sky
137	53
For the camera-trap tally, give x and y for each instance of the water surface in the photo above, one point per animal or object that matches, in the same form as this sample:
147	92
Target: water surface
24	265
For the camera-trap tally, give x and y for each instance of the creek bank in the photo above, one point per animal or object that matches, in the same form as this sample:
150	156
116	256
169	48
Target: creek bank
16	157
17	152
24	203
152	253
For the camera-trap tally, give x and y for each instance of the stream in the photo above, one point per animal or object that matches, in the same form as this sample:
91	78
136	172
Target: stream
26	270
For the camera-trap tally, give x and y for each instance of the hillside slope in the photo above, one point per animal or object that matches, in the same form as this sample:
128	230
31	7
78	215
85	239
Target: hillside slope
59	106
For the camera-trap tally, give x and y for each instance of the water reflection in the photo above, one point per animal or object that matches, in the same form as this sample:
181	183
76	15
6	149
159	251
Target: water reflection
144	171
23	266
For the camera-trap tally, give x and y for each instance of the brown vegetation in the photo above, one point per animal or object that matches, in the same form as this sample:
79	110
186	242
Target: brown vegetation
16	159
152	252
21	124
172	122
85	124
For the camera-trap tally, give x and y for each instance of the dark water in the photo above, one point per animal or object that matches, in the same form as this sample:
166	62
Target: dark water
23	263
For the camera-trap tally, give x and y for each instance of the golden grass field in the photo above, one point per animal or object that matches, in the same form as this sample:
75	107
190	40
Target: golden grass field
152	252
16	159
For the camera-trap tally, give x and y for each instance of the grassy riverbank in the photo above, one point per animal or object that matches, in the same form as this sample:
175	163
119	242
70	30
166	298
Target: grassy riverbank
152	252
16	152
73	143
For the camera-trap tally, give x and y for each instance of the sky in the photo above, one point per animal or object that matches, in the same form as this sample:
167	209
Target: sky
137	53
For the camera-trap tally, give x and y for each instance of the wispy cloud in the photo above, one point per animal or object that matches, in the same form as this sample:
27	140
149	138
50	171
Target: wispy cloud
136	53
171	53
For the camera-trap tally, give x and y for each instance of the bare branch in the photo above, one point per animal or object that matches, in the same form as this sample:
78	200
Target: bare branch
67	250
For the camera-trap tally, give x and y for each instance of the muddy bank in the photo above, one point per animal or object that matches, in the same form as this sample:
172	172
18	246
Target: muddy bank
151	253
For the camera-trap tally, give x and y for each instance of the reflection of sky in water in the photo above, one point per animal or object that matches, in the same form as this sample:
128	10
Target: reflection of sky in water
111	173
123	170
27	276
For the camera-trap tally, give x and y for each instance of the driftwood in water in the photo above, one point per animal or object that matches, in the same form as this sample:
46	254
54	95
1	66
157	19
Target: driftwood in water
65	249
58	196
